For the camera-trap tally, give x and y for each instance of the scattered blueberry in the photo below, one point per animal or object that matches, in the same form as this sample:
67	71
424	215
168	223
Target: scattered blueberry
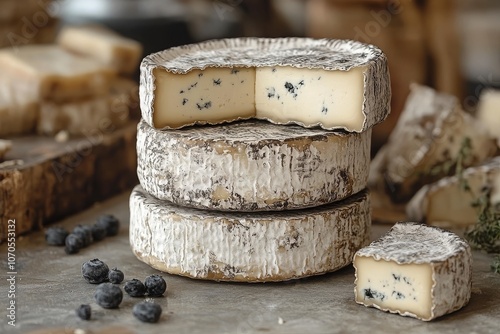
156	285
73	243
115	276
56	236
98	232
95	271
85	232
110	223
108	295
135	288
147	312
83	312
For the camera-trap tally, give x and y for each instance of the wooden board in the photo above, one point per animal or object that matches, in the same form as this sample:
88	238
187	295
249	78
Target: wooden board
43	180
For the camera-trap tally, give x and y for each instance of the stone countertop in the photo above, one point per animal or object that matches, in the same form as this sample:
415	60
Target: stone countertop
49	287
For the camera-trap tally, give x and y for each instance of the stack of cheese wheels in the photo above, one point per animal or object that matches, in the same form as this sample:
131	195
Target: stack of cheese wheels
253	157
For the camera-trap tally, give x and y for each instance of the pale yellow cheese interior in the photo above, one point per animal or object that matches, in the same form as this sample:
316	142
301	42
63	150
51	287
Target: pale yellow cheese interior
310	96
394	287
333	99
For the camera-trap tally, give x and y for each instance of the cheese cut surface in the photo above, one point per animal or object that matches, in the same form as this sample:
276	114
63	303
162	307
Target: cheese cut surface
252	165
52	73
102	44
446	204
488	112
334	84
426	143
414	270
258	247
100	114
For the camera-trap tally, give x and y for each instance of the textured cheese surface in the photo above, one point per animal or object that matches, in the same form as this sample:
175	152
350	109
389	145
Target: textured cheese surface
87	117
252	165
5	146
445	204
488	112
414	270
52	73
355	89
103	44
256	247
429	134
18	109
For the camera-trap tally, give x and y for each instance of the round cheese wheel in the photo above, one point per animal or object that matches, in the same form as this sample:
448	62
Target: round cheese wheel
240	247
252	165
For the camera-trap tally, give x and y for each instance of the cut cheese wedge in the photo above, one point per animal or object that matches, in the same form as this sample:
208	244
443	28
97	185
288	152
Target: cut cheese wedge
414	270
427	142
259	247
447	205
334	84
52	73
102	44
488	112
87	117
252	165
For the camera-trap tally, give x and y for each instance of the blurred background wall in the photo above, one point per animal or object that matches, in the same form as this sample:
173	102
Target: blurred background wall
452	45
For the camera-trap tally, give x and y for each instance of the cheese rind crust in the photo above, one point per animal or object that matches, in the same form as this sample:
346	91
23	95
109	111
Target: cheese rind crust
251	166
299	53
447	256
259	247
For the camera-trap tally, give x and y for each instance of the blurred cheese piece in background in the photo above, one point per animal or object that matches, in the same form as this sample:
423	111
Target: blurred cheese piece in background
5	146
488	112
18	109
102	44
52	73
84	117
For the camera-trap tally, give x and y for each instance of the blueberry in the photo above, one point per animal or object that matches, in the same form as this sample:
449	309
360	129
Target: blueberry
95	271
108	295
115	276
147	312
156	285
85	232
56	236
135	288
98	232
110	223
83	312
73	243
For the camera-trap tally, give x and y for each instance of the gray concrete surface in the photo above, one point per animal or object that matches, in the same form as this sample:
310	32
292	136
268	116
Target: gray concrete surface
49	288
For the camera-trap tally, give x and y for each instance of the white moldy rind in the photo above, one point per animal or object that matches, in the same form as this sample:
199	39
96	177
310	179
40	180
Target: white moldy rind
324	54
448	256
429	134
259	247
445	204
251	165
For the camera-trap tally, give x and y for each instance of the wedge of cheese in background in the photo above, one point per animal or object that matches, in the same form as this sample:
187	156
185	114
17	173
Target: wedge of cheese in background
488	112
446	204
85	117
18	109
5	146
424	146
52	73
102	44
414	270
